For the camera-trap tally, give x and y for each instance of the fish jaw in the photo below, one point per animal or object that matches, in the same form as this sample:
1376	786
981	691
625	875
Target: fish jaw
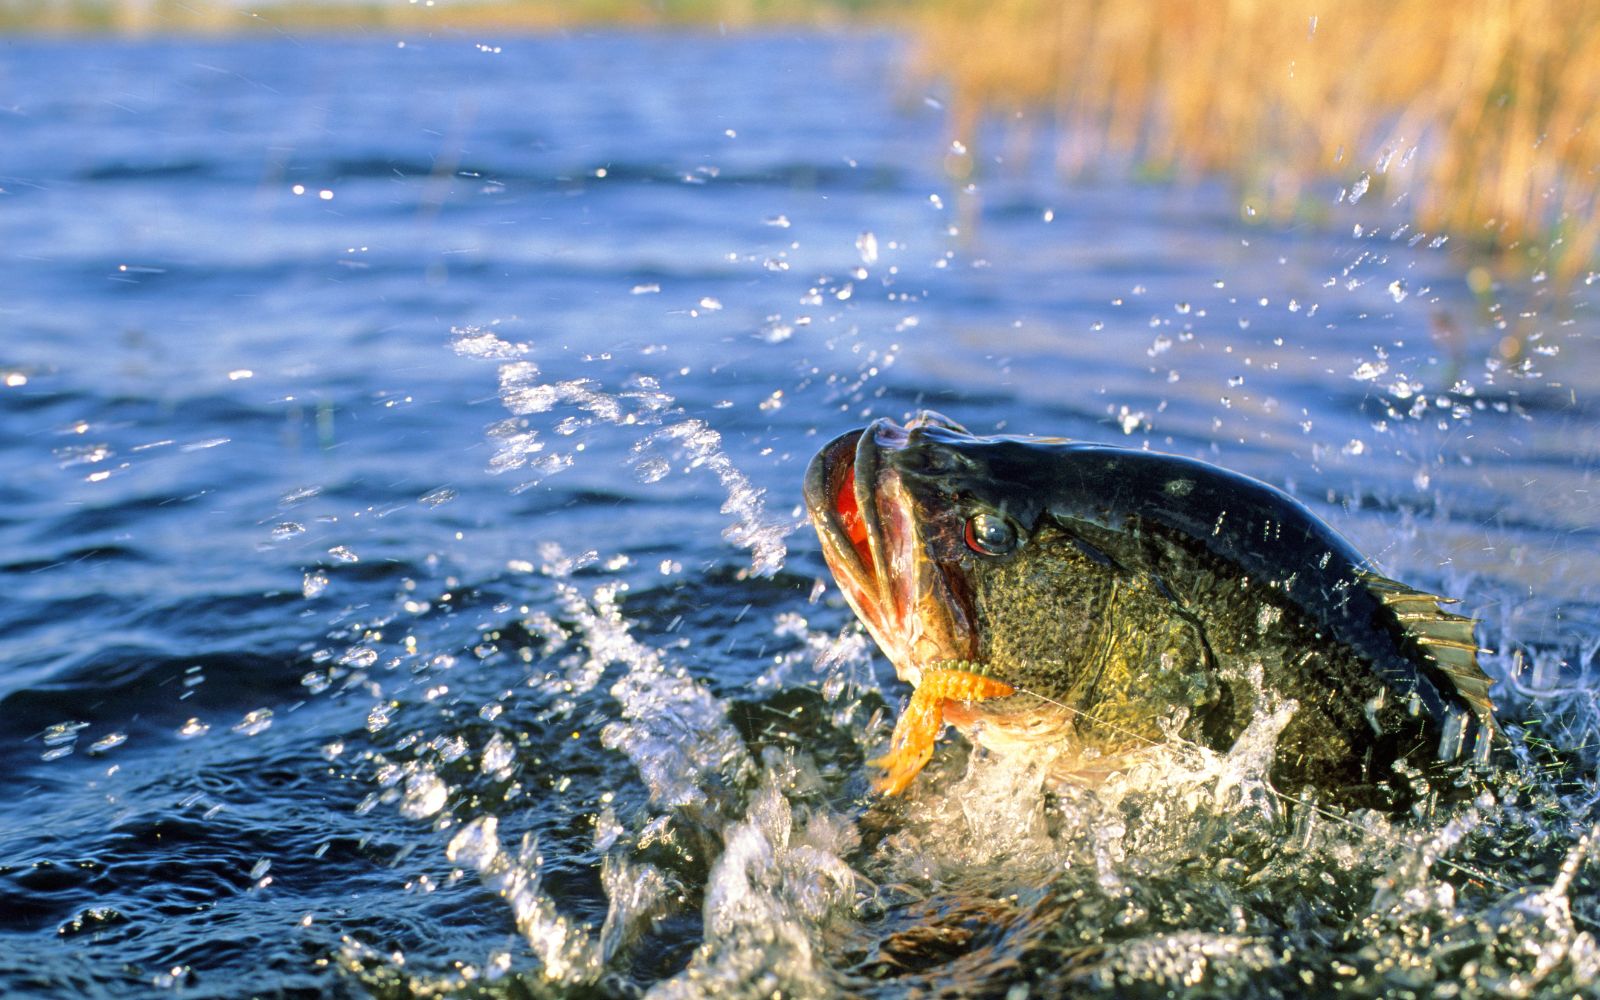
873	540
868	526
839	500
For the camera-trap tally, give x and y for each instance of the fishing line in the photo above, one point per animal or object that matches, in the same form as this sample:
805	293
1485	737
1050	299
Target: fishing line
1320	810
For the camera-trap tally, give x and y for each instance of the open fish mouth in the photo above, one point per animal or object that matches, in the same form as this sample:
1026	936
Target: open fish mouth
863	513
906	597
840	496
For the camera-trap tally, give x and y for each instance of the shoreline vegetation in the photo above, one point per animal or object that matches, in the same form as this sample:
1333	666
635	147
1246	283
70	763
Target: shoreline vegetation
1482	123
1482	119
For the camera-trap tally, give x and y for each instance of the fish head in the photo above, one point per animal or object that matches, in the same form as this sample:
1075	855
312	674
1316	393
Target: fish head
909	516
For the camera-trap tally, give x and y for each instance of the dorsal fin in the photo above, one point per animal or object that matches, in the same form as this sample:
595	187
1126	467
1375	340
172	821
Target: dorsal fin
1446	639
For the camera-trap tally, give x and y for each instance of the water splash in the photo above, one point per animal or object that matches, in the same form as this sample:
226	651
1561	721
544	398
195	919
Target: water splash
567	952
701	446
641	402
768	900
675	732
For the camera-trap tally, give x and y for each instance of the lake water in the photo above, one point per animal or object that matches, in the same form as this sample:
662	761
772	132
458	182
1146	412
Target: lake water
405	590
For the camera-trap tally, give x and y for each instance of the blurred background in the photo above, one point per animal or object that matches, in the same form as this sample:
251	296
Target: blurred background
1489	109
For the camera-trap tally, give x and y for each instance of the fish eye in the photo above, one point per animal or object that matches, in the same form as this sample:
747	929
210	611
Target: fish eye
990	534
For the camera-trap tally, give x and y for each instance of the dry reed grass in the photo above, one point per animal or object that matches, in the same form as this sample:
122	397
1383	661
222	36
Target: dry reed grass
1498	100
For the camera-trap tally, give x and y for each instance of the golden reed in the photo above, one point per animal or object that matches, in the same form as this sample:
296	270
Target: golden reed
1485	114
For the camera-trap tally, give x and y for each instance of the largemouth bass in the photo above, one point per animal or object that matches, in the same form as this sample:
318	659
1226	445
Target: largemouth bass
1096	602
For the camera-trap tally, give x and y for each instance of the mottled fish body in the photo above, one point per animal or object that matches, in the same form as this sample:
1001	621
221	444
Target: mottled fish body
1100	601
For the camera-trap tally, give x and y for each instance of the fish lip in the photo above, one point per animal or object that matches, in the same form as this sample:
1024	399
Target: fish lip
892	585
820	490
864	578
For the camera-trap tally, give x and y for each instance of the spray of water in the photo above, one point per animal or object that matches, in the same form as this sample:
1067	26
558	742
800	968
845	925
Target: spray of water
642	403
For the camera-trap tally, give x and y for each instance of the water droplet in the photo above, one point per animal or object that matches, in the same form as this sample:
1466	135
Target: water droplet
476	845
425	795
379	716
314	583
867	246
359	656
110	742
474	342
652	469
63	733
498	755
1359	188
258	721
435	498
194	727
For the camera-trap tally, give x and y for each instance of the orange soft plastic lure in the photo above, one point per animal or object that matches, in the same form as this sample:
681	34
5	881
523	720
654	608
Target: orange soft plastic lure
911	747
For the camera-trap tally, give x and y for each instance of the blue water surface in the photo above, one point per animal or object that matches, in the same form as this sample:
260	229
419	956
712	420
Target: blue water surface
404	430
